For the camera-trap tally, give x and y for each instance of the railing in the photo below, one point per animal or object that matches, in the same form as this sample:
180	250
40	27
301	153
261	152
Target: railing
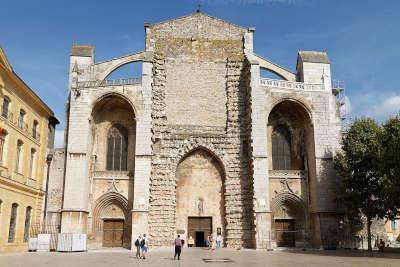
118	175
102	83
24	127
291	85
289	174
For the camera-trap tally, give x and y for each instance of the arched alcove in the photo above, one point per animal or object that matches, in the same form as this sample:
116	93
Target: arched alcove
200	204
291	167
113	138
112	112
295	119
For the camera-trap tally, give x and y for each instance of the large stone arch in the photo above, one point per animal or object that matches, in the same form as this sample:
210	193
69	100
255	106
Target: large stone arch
296	115
275	68
108	110
111	167
290	184
107	67
200	190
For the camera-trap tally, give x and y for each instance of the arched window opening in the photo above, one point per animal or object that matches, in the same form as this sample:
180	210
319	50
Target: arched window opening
32	164
130	70
34	129
281	149
264	73
27	223
13	223
21	118
3	134
18	157
5	108
117	148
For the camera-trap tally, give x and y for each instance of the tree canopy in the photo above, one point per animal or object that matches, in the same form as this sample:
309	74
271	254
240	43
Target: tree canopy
369	165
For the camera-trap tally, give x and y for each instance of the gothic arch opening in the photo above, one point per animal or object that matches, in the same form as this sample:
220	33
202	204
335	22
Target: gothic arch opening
200	204
111	221
289	127
290	220
112	165
291	168
113	131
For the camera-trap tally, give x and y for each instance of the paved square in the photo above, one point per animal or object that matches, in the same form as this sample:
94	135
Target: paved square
195	257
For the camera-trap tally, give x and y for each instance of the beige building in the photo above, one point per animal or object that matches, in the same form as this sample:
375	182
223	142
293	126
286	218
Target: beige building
26	136
200	144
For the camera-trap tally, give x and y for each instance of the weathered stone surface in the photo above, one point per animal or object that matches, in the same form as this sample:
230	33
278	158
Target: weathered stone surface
201	93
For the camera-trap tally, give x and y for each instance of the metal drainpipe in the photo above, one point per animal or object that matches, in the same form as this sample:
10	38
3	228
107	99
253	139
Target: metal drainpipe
49	158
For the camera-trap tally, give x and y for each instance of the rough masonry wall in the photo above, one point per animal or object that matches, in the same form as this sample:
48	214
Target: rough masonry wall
228	140
56	180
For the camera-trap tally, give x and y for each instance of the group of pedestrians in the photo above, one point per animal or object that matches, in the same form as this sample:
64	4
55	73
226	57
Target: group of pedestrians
214	244
142	246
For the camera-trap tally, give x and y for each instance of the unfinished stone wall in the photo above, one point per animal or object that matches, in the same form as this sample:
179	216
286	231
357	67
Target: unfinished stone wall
208	56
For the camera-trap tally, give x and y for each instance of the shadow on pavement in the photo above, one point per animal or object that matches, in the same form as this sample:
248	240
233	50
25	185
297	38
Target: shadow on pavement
347	253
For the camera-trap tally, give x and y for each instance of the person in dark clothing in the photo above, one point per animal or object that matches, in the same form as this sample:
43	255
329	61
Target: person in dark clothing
381	245
178	247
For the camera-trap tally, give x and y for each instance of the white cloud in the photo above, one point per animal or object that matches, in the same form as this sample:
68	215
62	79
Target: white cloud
384	109
59	139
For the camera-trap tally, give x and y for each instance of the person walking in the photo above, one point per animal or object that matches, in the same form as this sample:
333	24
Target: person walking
137	245
178	247
144	246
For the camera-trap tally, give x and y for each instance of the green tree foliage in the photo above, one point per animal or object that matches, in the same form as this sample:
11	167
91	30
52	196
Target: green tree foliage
390	165
359	165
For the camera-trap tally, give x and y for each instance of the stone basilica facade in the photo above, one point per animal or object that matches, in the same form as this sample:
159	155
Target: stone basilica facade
199	145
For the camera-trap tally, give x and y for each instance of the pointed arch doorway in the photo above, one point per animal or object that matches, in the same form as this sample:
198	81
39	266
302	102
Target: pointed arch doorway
200	204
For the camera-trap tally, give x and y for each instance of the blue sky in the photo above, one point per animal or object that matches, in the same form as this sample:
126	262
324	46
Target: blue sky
361	37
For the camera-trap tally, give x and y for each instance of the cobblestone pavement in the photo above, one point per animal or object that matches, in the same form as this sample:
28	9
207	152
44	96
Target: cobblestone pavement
196	257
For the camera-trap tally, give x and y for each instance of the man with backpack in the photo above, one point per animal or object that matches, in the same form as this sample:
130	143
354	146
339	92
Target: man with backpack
144	246
137	245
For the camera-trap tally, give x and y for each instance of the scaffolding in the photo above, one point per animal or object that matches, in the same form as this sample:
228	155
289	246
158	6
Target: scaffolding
338	89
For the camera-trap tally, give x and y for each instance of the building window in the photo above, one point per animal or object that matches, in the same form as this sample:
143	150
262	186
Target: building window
6	106
394	224
32	164
117	149
281	149
18	157
1	205
3	134
27	223
21	118
34	129
13	222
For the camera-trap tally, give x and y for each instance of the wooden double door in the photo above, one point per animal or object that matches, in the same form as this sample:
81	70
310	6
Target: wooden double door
113	232
285	232
199	228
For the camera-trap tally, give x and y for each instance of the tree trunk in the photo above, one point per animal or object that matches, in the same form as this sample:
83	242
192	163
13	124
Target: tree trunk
369	222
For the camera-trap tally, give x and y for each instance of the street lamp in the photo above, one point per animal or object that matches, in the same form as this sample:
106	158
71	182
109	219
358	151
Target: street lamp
49	158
